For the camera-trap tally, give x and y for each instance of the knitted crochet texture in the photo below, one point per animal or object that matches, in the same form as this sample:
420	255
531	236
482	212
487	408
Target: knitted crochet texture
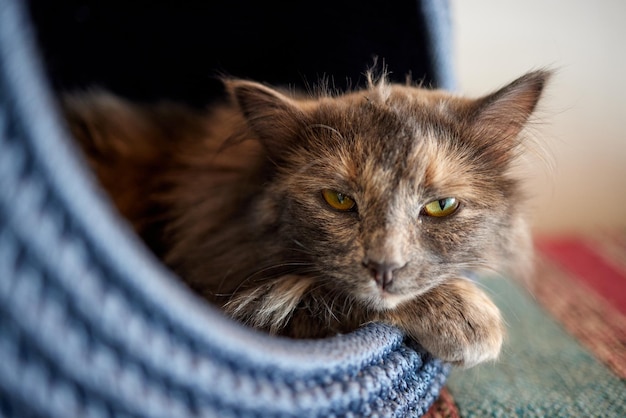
92	326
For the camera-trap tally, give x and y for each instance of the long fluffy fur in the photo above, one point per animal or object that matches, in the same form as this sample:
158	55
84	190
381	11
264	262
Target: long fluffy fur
231	200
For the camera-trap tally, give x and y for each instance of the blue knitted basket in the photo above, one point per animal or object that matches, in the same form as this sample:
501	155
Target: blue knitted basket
91	325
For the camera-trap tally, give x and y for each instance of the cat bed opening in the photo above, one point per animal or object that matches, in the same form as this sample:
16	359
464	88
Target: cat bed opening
93	325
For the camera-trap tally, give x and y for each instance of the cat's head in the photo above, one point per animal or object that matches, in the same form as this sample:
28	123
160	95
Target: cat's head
391	190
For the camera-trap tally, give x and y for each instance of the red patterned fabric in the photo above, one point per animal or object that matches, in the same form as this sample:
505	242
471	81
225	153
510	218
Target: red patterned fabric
444	407
581	281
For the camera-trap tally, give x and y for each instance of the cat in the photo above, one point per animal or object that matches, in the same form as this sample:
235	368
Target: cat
311	215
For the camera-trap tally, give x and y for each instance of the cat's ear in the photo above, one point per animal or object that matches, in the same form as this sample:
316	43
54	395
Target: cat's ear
272	115
500	116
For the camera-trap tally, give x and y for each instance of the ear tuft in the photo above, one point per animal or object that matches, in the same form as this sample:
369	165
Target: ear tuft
496	120
268	112
252	96
505	112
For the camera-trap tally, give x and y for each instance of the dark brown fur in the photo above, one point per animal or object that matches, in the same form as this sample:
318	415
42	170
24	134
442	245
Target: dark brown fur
231	200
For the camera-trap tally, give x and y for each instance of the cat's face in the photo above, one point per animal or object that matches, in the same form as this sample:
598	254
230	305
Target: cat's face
390	191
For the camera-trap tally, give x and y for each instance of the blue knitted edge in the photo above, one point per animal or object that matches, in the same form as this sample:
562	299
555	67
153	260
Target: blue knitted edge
436	16
90	322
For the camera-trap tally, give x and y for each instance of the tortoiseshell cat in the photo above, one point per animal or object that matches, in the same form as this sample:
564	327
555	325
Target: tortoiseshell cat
308	217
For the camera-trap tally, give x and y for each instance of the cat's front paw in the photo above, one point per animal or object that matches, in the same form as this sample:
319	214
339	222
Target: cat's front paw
456	322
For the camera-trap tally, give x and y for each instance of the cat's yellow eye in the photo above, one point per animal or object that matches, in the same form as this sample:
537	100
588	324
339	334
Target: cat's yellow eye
441	207
337	200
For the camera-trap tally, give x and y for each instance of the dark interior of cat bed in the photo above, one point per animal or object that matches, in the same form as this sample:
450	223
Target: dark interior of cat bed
92	324
166	50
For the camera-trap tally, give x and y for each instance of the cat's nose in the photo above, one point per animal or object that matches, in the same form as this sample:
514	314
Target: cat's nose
382	272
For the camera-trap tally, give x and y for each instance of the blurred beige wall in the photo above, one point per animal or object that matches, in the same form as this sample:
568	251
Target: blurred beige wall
583	116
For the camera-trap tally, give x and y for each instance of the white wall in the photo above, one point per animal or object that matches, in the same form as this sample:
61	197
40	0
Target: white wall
584	113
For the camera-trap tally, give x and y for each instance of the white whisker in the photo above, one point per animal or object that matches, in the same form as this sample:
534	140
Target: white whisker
327	127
